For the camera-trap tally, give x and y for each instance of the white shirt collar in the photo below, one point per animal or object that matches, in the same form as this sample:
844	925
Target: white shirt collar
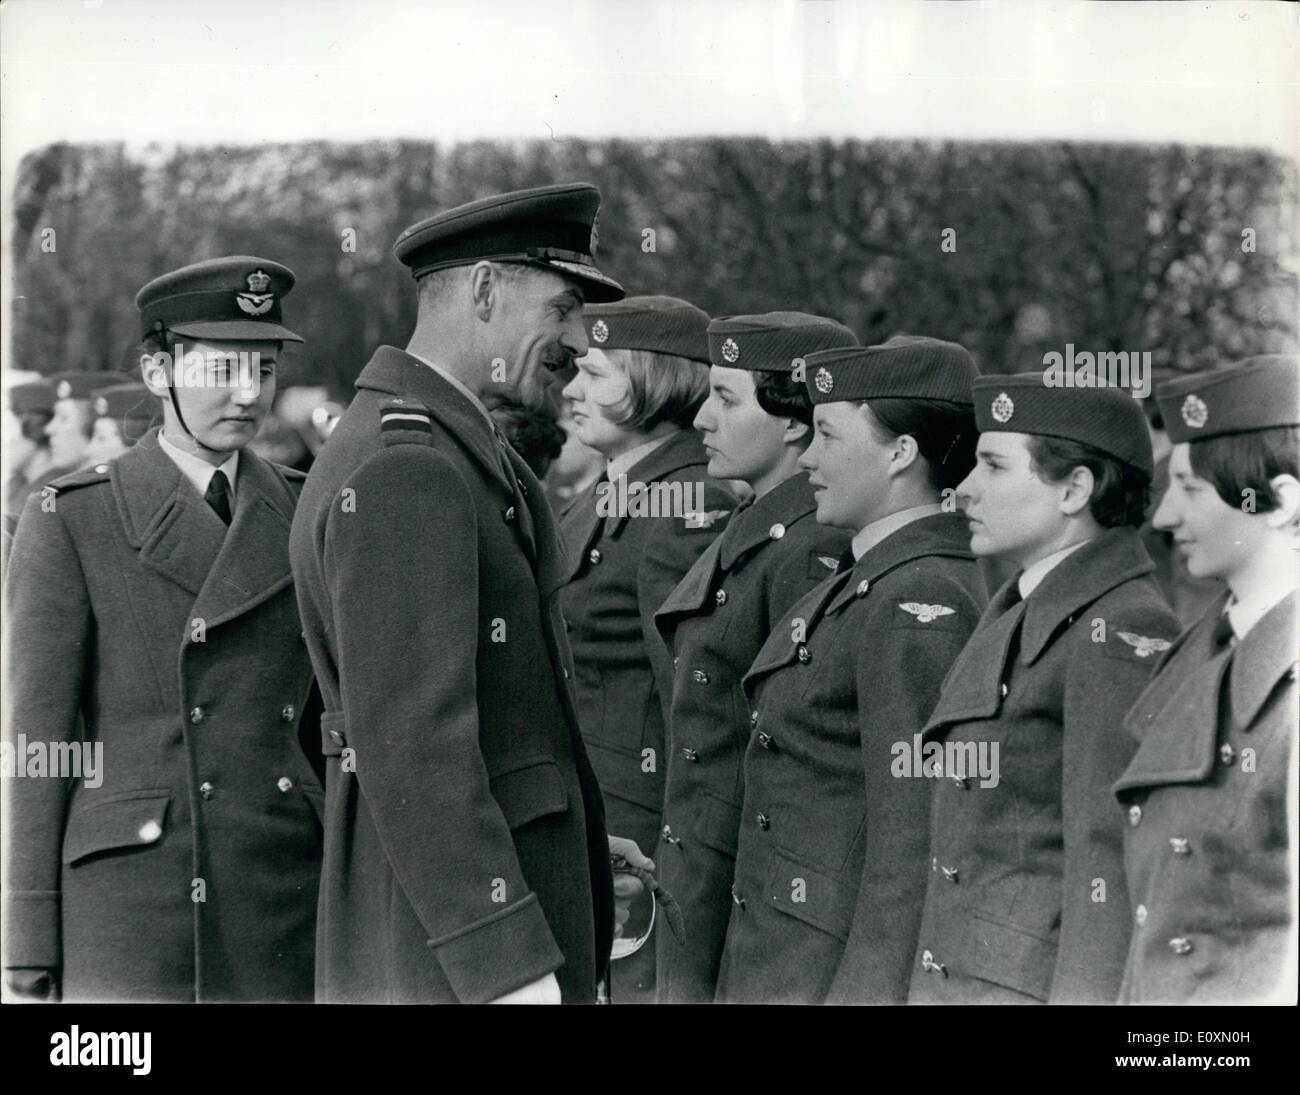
1032	576
625	462
1243	615
459	385
197	470
874	533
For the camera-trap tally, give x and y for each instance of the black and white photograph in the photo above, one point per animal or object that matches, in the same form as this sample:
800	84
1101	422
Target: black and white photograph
755	502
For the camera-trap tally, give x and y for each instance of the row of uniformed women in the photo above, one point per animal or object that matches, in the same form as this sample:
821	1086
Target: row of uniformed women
863	783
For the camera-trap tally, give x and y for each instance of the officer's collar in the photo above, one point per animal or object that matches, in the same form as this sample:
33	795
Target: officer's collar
756	522
1109	560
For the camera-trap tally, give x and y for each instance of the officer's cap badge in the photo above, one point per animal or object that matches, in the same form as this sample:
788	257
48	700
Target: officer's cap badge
1143	645
1003	408
824	381
600	331
731	350
257	301
259	281
926	613
1194	411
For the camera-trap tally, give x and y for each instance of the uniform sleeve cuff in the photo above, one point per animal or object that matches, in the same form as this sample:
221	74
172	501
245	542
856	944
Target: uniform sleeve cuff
31	929
498	954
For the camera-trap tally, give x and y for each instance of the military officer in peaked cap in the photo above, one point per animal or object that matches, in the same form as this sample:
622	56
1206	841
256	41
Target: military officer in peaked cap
755	424
124	413
150	601
1026	899
466	855
1207	844
630	539
830	861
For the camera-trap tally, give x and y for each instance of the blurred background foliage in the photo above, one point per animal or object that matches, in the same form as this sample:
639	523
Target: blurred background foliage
1109	247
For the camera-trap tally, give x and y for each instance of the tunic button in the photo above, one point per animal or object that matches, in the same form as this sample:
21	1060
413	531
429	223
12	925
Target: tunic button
509	514
206	789
776	531
931	966
565	671
285	784
101	468
150	831
1134	815
288	713
765	740
959	782
689	753
675	661
803	655
594	555
740	901
1180	845
764	822
950	873
720	598
863	587
753	718
336	737
1004	689
1227	753
196	715
1180	945
1140	915
668	835
700	677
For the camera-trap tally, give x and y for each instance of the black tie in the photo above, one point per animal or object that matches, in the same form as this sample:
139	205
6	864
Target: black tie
218	495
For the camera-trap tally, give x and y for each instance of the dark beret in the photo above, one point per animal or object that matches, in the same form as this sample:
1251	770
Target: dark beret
1255	394
34	397
1109	419
773	341
904	367
121	401
665	325
236	297
549	226
82	385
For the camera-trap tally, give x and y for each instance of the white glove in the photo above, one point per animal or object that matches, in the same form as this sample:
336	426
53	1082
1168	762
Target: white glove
545	991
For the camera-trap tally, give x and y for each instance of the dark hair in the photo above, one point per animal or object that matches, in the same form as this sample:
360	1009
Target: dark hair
1120	492
1236	462
534	435
945	434
780	395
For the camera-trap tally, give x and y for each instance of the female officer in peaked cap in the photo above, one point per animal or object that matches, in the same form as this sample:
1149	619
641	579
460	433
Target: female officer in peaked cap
829	865
629	541
1208	856
1026	899
151	603
756	423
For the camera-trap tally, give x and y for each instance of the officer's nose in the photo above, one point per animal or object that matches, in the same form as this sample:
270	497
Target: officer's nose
574	338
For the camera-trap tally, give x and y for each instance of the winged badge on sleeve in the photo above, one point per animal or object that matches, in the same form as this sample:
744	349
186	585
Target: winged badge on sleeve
926	613
1143	645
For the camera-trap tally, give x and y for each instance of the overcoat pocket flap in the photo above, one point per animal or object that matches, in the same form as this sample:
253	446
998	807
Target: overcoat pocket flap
125	821
527	793
1005	955
718	826
810	894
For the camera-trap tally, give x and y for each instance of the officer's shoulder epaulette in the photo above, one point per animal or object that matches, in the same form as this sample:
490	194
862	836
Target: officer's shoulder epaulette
405	422
86	477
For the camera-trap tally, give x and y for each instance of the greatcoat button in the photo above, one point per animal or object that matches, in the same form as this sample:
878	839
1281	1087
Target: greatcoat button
720	598
196	715
206	789
336	737
959	781
1180	845
776	531
753	718
931	966
668	835
1180	945
764	822
803	655
950	873
765	740
101	468
287	713
1227	753
1134	815
689	753
285	784
863	587
1004	689
150	831
594	556
740	901
1140	915
700	677
509	514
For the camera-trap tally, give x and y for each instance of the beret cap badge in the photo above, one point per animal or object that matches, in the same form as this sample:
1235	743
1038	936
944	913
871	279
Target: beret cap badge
730	350
600	331
101	405
63	390
1194	411
824	381
1003	408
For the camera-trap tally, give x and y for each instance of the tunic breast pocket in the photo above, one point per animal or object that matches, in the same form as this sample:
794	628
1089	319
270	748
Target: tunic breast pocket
532	790
132	819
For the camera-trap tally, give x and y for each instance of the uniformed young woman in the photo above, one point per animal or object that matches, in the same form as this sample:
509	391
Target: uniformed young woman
1026	898
629	540
756	423
830	861
152	622
1209	861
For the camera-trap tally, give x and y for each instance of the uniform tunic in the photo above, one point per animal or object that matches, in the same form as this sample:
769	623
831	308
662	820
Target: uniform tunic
830	867
1026	898
1206	847
465	847
191	872
620	569
772	553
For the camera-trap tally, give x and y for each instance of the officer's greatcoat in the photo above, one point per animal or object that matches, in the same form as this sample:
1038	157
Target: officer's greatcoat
831	863
771	554
1026	898
1206	845
191	871
465	845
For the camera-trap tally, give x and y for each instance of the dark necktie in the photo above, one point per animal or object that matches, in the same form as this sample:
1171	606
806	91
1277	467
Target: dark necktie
218	495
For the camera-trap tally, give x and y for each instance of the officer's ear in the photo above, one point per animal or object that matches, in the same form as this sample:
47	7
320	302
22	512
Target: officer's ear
155	371
1286	514
485	282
